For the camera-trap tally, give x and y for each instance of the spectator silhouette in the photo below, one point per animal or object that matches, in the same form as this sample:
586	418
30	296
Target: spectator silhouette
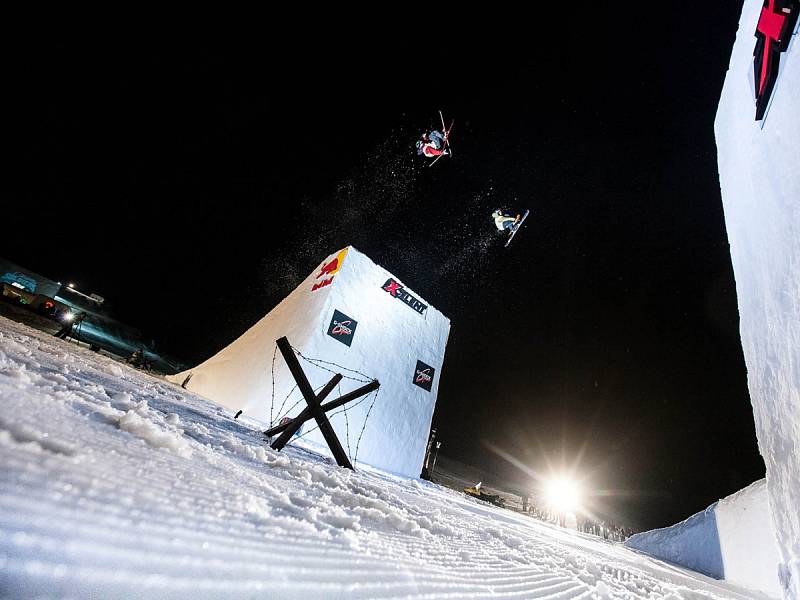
66	328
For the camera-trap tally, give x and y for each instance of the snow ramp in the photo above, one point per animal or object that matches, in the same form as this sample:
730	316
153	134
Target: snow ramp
732	539
759	174
353	317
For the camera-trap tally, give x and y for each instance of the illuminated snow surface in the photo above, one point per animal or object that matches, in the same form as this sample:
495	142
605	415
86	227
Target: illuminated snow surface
118	484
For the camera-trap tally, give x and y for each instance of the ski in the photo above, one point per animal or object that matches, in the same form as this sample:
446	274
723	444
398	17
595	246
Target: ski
446	131
445	141
435	160
516	228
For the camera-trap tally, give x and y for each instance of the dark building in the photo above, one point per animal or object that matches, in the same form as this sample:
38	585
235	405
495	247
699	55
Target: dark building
55	303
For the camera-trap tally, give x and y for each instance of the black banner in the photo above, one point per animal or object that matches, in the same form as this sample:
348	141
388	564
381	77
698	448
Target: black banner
342	328
423	376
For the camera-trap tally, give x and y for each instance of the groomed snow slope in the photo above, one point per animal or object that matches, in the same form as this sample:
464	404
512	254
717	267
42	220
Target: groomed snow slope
119	485
759	172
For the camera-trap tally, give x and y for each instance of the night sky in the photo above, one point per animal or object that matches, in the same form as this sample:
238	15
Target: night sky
194	183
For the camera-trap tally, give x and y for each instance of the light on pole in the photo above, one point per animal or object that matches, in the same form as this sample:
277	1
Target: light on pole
435	454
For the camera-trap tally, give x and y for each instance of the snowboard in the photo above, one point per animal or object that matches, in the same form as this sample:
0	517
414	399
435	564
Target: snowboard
516	228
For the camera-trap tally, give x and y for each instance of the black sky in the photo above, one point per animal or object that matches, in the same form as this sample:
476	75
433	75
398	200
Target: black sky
194	183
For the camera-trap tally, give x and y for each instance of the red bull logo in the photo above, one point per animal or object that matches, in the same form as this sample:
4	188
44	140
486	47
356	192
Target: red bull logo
322	284
331	268
328	270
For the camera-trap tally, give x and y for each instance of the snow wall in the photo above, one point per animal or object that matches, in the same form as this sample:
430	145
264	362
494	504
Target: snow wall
732	539
759	171
348	314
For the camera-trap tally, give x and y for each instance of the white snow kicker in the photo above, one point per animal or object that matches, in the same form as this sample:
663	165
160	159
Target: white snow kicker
349	316
732	540
759	173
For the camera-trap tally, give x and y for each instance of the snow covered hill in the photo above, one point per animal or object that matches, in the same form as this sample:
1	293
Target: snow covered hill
117	484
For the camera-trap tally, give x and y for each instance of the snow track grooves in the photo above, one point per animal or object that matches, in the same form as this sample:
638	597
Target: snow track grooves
118	485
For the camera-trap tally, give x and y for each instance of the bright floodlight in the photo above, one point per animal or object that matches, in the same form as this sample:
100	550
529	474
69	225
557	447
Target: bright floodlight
69	317
563	494
71	285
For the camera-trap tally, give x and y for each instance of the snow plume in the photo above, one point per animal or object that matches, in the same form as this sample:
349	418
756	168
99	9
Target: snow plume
375	194
97	500
364	207
469	248
390	208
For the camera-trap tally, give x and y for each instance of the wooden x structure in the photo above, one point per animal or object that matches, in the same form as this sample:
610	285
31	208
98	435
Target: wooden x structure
315	409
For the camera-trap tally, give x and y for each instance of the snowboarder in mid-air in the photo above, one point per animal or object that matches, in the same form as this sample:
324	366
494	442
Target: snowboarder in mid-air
505	220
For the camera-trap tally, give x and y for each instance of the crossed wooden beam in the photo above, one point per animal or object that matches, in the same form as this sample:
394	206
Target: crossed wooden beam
315	409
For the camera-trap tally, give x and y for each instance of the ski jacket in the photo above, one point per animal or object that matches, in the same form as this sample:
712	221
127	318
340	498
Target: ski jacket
500	220
429	150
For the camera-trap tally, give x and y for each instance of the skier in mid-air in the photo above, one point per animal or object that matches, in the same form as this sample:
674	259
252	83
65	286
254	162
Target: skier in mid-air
432	144
435	144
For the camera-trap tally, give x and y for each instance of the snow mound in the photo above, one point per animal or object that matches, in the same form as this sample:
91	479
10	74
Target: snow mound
154	435
693	543
732	539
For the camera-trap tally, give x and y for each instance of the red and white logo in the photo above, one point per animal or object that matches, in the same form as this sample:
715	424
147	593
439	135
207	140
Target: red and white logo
396	290
423	376
341	328
328	270
773	33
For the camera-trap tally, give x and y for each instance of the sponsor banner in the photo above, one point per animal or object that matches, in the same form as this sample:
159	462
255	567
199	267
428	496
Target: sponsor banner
342	328
398	291
423	376
328	270
773	33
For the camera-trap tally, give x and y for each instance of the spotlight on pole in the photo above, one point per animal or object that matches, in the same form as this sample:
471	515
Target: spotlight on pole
435	454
